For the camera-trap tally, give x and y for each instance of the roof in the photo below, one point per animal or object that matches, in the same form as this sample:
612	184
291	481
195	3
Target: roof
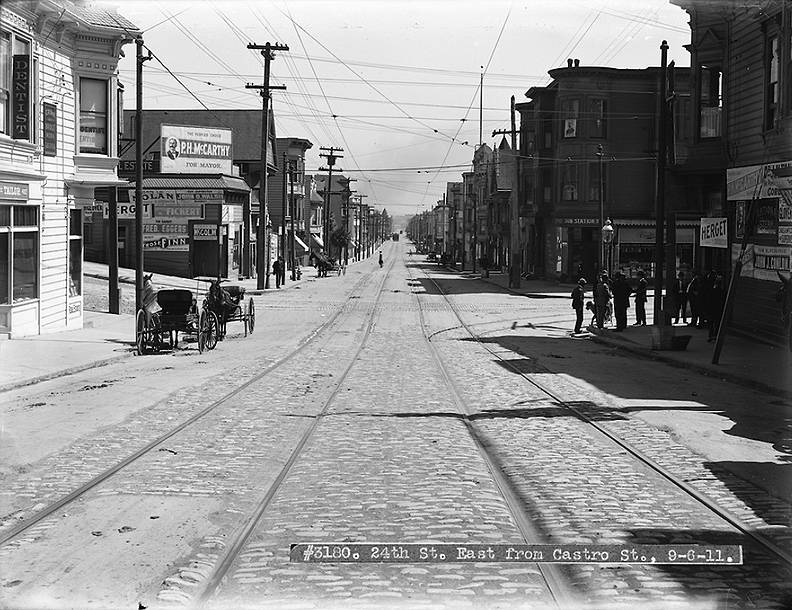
99	17
194	181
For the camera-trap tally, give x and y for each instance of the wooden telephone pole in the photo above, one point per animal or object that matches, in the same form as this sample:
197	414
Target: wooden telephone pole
514	205
331	157
262	247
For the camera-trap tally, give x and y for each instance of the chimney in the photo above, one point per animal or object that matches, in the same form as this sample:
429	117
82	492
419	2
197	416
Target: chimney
569	63
577	63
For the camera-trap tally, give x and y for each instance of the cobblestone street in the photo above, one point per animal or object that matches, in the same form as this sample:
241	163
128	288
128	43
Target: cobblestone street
362	410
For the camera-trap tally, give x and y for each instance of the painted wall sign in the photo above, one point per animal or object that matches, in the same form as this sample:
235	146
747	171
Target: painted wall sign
763	262
195	150
20	98
166	242
577	221
759	182
177	196
714	233
205	232
177	211
50	112
14	191
126	210
129	166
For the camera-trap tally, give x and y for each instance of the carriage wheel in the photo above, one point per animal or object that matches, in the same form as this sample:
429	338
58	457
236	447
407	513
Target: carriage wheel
207	330
251	316
140	332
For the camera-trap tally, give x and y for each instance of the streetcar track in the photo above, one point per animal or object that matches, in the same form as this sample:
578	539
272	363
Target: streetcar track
557	584
98	479
637	454
235	547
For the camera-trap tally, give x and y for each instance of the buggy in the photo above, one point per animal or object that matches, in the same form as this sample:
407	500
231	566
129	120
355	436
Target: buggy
166	313
226	303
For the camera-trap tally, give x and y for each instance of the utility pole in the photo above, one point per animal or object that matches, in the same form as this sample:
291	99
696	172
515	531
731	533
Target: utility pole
659	318
514	205
601	258
346	194
292	214
138	174
331	157
282	241
262	264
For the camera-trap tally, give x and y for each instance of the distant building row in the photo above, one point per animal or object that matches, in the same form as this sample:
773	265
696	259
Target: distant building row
588	151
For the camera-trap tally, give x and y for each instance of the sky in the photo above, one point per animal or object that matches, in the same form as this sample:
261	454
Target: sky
395	84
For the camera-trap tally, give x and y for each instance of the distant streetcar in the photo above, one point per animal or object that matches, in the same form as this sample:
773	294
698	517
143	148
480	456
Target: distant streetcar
395	237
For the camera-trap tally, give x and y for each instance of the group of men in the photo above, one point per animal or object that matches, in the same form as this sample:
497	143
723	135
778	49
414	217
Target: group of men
704	294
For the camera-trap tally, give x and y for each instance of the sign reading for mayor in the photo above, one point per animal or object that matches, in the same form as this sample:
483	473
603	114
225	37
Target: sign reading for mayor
195	150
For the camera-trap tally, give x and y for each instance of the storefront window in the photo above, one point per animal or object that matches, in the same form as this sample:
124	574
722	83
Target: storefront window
18	253
93	116
24	250
5	270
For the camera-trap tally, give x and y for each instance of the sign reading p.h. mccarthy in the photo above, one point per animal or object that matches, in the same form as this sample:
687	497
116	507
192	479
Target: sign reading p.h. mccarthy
195	150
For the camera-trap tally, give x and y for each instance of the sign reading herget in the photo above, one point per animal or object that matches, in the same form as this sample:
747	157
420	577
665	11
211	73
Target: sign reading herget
195	150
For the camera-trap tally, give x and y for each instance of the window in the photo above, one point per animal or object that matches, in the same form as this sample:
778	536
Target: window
548	134
93	116
75	252
547	185
18	253
569	112
709	102
771	89
594	182
15	52
597	118
569	186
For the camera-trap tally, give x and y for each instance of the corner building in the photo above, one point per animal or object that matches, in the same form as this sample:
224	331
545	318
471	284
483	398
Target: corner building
59	100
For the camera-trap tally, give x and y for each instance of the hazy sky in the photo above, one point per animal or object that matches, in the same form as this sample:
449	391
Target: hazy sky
389	82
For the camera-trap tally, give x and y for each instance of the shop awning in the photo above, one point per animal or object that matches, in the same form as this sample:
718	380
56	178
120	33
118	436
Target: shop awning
316	240
299	246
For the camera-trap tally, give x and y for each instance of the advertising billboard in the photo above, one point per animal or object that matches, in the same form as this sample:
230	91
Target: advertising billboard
195	150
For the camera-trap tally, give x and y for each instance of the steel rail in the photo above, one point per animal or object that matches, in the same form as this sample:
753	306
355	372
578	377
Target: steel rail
557	584
215	580
48	510
703	499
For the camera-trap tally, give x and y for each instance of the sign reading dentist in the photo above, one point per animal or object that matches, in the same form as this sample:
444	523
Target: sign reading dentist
195	150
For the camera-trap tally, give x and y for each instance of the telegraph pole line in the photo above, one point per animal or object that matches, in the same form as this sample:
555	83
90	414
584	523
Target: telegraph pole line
514	204
262	264
140	60
331	157
346	194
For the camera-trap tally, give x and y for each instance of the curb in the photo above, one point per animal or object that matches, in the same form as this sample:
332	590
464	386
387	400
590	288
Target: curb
15	385
698	368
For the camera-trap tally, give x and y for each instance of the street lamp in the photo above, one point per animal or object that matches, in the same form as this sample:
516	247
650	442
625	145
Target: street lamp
607	240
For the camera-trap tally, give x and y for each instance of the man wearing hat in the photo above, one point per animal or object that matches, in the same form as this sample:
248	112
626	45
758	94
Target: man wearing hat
578	296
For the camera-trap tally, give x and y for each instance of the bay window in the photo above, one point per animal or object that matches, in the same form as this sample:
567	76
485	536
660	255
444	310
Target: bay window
709	102
93	116
16	74
569	112
597	108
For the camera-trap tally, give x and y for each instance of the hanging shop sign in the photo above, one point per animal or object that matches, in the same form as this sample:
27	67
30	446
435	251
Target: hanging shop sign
195	150
713	233
50	112
20	97
578	221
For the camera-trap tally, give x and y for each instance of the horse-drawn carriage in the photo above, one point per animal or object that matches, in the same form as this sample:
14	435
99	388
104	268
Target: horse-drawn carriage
166	313
227	304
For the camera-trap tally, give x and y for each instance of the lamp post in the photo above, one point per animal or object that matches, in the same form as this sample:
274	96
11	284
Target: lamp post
600	153
607	241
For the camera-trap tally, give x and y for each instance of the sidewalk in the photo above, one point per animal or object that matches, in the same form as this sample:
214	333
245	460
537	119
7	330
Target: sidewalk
743	360
103	339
